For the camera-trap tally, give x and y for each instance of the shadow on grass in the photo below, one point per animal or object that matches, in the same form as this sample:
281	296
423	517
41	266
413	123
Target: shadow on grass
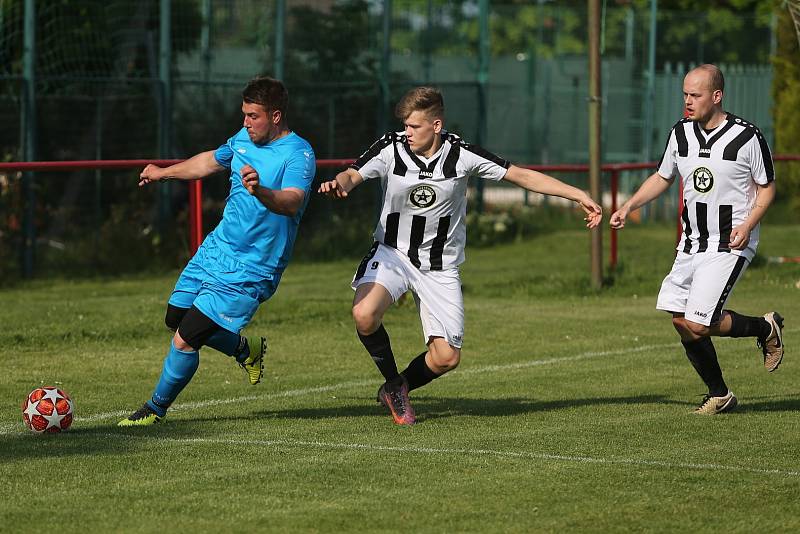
90	441
771	403
429	408
113	441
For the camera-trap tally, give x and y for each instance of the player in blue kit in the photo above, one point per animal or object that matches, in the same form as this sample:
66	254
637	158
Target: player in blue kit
240	263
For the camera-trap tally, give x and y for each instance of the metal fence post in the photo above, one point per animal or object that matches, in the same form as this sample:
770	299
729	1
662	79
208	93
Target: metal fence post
649	97
98	175
483	78
614	193
385	68
165	79
280	24
427	43
29	139
595	125
384	88
205	49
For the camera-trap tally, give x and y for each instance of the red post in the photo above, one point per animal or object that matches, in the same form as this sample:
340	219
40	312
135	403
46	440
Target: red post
614	189
195	214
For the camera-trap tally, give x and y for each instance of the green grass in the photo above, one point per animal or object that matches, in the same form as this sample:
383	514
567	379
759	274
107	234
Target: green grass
570	410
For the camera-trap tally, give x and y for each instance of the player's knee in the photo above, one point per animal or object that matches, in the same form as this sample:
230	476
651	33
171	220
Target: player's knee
697	328
445	359
367	321
685	326
174	316
179	343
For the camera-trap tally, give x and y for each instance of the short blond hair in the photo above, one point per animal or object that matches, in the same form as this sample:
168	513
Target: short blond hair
426	99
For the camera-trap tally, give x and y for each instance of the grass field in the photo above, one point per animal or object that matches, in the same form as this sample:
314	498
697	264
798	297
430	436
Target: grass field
570	411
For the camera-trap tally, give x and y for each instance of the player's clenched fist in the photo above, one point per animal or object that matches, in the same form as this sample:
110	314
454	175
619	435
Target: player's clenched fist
249	179
740	237
618	219
151	173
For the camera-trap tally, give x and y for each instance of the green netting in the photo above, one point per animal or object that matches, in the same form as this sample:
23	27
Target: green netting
102	91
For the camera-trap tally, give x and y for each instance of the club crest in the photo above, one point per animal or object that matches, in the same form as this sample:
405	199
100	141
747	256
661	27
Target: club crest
703	180
422	196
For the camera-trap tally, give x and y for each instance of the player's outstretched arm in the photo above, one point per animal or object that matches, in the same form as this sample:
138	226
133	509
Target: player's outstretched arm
198	166
650	189
342	184
538	182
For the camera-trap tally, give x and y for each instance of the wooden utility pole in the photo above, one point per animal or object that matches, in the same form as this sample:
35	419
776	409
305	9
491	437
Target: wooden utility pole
595	103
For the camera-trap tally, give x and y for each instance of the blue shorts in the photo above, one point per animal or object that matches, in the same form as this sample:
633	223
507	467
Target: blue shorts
223	288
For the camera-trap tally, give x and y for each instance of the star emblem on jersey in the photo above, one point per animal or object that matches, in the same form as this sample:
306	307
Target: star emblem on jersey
422	196
703	179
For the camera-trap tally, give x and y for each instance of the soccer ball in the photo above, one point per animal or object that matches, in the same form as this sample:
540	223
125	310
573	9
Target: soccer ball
47	409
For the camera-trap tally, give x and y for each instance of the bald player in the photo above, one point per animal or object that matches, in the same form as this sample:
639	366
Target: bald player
729	182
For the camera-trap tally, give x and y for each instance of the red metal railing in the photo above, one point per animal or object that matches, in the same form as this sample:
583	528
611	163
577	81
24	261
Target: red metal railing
195	186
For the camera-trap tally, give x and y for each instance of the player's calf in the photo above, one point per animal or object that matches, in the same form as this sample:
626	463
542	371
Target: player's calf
768	331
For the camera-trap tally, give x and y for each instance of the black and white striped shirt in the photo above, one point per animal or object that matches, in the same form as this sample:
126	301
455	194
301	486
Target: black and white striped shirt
425	199
720	170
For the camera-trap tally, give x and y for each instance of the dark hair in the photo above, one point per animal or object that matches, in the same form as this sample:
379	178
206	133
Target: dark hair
268	92
427	99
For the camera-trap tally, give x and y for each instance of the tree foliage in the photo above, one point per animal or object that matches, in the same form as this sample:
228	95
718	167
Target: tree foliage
95	38
786	105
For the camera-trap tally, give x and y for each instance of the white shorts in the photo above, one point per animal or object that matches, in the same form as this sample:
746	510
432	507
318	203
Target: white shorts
699	285
437	293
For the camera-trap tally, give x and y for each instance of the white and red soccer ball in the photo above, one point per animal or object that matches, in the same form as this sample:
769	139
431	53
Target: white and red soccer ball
47	409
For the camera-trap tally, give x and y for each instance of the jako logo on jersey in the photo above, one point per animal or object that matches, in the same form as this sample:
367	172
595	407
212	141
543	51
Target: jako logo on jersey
703	179
422	196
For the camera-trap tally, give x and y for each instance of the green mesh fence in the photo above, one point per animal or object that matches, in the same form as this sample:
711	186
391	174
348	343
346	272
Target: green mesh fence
112	80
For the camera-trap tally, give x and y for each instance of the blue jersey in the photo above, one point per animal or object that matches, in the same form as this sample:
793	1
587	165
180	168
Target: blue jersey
249	232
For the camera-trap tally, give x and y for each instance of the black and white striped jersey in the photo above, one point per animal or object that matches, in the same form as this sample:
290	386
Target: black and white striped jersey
720	170
425	199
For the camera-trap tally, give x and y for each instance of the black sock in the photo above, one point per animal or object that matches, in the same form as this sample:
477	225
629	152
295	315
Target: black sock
703	356
380	348
418	373
745	326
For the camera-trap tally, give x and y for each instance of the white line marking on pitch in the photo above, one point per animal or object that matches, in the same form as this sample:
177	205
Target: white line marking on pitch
470	452
8	428
188	406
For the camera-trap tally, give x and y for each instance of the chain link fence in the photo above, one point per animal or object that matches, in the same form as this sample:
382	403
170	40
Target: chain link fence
123	79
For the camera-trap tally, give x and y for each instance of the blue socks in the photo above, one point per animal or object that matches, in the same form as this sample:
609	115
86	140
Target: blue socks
179	368
229	343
